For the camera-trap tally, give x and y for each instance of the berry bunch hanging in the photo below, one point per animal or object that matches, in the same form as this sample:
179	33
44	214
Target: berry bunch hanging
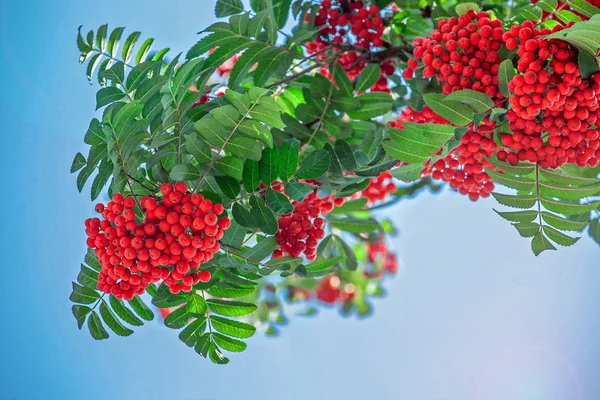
180	232
554	110
300	231
462	53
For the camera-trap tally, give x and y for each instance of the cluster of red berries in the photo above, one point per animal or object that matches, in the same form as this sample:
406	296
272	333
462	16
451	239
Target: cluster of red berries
364	23
378	253
464	167
179	233
553	108
354	24
331	290
379	188
300	231
462	53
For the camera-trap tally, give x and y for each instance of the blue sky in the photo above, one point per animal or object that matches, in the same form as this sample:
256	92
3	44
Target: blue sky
471	315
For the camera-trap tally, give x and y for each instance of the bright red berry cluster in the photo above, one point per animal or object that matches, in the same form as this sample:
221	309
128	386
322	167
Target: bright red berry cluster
331	290
180	232
462	53
351	24
377	252
363	22
554	110
379	188
300	231
464	167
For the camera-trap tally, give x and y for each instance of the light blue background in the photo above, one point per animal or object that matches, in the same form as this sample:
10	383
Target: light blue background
471	315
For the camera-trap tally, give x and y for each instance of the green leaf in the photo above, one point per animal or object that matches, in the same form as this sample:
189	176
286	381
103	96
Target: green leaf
230	308
269	164
233	328
264	217
588	65
564	179
479	102
278	202
255	130
594	230
141	308
506	71
345	155
583	35
568	208
230	186
215	355
416	143
563	223
140	73
288	158
80	313
527	229
354	225
455	112
368	77
350	206
523	184
165	299
519	216
184	172
96	328
88	277
123	312
101	37
251	177
111	320
198	148
315	165
568	192
193	332
225	8
559	237
372	105
523	168
231	166
541	243
230	292
243	216
83	295
529	12
196	305
408	172
129	46
108	95
516	201
228	343
226	115
547	5
348	260
341	80
463	8
203	344
297	190
322	264
234	236
178	318
78	162
583	7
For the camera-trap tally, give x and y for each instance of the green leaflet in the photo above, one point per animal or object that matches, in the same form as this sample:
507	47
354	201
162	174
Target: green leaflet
455	112
111	320
513	182
478	101
233	328
516	201
230	308
541	243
